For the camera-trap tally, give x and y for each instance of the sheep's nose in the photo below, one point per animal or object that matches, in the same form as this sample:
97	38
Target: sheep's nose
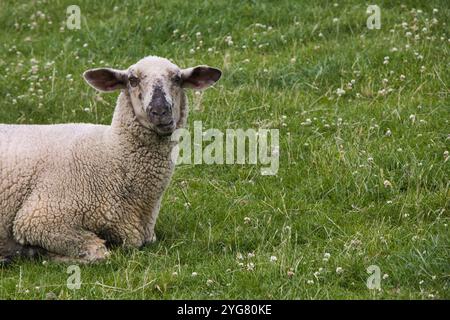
159	106
160	110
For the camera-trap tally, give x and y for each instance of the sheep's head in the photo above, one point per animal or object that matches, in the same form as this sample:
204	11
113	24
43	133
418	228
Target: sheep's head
156	89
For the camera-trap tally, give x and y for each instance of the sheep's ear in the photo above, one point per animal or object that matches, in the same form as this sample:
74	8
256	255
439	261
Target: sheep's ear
200	77
106	79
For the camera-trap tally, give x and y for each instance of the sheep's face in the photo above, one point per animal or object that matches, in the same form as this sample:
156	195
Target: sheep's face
156	89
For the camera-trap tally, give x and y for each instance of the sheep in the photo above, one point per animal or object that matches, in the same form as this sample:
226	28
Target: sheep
74	190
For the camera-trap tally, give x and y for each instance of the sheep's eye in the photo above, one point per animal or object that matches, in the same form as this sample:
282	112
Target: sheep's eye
134	81
177	80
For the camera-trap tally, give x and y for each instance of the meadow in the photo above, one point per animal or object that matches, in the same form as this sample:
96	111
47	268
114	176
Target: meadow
363	118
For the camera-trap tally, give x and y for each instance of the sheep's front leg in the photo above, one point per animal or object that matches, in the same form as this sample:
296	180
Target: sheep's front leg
150	236
59	239
73	245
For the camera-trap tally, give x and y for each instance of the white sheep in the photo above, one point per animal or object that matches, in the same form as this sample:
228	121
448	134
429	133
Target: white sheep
70	190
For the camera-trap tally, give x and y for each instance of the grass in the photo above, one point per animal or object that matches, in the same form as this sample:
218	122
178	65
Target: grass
330	196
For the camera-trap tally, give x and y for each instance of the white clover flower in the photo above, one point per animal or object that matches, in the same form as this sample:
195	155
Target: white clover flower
387	184
247	220
310	282
229	40
250	266
340	91
194	274
326	256
402	77
273	258
209	282
250	255
388	133
335	20
385	276
174	274
339	270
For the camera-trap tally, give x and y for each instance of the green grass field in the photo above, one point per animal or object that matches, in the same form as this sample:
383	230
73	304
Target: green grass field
363	177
